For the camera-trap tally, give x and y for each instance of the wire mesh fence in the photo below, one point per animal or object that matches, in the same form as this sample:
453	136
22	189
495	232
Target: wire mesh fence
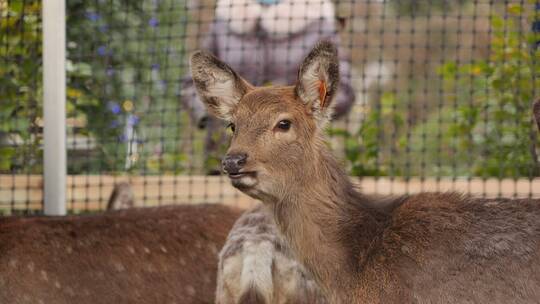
21	128
435	95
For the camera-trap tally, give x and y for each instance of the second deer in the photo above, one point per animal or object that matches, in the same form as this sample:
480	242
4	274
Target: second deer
425	248
140	255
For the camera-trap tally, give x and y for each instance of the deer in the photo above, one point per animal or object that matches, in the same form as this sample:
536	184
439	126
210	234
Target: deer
418	248
257	267
141	255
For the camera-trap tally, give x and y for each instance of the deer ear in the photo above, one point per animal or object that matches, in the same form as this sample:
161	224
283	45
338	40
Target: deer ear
218	86
318	80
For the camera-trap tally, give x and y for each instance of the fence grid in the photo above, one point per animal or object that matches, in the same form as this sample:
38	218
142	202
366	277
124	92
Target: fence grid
435	95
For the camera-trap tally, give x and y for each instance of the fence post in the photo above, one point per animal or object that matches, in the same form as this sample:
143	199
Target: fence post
54	106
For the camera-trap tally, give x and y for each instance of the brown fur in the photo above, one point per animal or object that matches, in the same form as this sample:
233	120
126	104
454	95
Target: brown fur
426	248
145	255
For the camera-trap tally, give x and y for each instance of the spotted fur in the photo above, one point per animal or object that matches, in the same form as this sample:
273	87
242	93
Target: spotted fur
140	255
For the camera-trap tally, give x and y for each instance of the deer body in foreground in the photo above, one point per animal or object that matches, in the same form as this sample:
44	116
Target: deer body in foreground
256	266
425	248
143	255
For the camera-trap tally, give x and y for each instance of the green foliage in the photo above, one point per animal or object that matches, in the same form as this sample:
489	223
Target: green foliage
121	78
123	69
481	127
20	86
113	50
492	116
363	147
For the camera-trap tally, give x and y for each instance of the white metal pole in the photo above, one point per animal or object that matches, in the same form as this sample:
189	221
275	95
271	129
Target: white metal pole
54	106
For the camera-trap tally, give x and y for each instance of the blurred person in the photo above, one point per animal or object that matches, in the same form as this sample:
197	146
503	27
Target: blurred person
265	41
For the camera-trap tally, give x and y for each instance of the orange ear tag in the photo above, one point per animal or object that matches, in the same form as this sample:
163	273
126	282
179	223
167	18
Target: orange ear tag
322	93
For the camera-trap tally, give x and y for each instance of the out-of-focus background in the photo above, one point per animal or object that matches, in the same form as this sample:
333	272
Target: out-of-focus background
443	93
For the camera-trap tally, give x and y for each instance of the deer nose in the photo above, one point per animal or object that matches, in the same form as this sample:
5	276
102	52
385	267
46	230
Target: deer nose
232	163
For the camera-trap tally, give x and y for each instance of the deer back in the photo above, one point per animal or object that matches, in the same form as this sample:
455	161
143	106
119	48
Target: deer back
146	255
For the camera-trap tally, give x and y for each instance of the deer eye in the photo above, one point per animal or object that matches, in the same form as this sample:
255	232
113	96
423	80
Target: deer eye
284	125
231	126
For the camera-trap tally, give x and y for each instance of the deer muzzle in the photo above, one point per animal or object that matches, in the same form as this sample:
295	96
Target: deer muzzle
233	163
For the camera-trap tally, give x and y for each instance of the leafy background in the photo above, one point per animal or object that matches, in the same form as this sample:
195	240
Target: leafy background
449	108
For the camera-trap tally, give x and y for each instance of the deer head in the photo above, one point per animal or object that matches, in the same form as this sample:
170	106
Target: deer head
276	131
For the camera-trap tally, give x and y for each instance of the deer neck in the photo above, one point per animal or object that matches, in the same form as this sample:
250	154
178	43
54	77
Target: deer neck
323	218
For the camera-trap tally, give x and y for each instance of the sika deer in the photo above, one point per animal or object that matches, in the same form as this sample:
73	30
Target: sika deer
257	267
425	248
142	255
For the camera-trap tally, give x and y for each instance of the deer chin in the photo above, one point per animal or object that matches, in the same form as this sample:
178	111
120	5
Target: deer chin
244	181
255	184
